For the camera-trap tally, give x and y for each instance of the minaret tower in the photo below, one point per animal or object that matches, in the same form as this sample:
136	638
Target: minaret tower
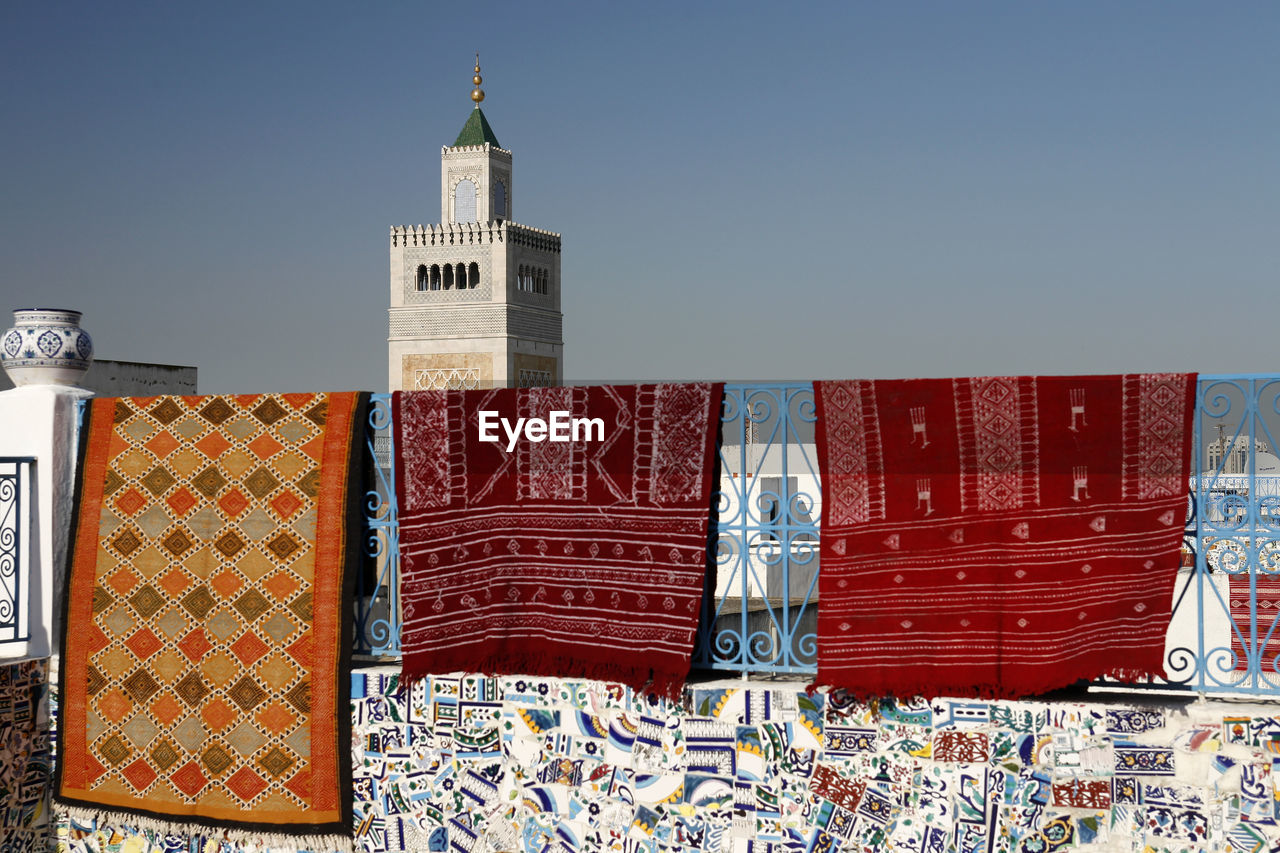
475	300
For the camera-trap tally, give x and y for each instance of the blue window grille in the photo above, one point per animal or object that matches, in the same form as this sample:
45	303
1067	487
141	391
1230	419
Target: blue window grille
15	548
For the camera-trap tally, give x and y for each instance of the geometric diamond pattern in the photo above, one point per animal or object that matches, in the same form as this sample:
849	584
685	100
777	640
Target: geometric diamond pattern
276	761
189	780
246	784
276	672
301	607
282	546
141	731
257	525
199	654
215	760
146	601
230	544
198	602
130	502
318	413
261	482
249	649
101	599
218	715
275	718
209	482
190	734
265	446
158	481
143	643
163	755
194	645
127	542
269	411
247	694
139	774
252	605
213	445
112	483
114	750
278	627
181	501
300	696
141	686
165	412
310	484
246	738
286	503
192	689
233	502
216	411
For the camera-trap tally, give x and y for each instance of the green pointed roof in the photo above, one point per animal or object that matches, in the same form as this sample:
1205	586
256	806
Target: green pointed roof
476	131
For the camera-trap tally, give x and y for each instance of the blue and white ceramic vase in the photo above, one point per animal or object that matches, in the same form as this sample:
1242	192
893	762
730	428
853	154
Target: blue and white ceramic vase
45	347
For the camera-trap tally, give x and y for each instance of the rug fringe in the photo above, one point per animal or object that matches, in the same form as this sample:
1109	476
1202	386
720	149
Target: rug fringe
1064	678
247	839
641	678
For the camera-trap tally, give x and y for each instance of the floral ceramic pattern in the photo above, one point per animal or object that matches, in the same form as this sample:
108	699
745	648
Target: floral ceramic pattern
532	765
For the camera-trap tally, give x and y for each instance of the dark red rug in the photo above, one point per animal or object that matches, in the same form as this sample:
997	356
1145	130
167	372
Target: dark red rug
1000	535
583	557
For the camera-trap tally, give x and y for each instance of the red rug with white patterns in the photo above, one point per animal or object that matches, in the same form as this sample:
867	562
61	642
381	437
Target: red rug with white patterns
1268	596
583	557
999	535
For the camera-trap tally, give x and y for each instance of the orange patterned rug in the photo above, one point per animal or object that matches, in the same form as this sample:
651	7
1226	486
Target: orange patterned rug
206	662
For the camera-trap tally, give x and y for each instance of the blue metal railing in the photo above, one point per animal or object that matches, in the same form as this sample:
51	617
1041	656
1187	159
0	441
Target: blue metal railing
1224	636
378	586
15	547
761	613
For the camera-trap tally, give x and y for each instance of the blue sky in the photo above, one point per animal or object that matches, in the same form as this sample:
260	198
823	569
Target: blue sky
744	190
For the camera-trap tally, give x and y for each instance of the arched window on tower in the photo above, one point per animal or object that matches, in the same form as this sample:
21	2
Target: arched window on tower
464	201
435	276
448	276
423	283
499	200
473	276
462	276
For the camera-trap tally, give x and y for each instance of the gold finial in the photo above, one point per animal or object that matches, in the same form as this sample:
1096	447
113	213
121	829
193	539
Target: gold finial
477	94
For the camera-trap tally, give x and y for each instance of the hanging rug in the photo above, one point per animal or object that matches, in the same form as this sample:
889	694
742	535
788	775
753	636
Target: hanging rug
576	558
205	670
1266	592
999	535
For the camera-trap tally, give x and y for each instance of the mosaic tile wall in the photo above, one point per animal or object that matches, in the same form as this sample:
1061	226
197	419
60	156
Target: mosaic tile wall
25	756
471	763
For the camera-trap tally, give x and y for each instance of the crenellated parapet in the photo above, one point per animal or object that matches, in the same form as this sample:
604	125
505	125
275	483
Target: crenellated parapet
473	234
533	238
446	150
448	234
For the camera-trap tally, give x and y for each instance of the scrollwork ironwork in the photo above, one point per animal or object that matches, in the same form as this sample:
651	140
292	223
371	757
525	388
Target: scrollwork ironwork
15	529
